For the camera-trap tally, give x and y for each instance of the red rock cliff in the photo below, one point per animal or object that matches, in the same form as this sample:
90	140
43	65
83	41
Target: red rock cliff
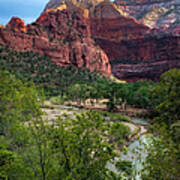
134	51
63	36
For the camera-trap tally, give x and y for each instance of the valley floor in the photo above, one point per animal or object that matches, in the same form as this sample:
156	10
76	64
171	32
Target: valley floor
137	126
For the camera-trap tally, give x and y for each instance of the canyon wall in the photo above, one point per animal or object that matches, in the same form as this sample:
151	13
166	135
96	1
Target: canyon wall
139	39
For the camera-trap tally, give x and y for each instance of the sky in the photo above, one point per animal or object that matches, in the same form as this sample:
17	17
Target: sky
28	10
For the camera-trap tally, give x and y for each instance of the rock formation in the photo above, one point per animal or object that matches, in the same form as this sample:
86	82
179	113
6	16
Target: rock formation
141	38
62	36
88	4
16	24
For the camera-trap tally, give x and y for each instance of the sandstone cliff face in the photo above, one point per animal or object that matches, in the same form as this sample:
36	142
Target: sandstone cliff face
135	51
62	36
107	23
146	58
143	71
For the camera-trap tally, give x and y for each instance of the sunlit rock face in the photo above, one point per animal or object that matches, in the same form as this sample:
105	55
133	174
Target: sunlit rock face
108	23
139	48
155	13
84	3
85	6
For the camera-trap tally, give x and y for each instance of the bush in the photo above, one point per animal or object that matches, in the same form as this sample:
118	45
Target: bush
120	133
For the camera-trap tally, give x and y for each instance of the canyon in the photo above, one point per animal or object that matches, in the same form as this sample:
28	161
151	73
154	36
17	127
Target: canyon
132	41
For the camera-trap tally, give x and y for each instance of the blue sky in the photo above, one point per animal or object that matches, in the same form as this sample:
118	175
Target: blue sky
28	10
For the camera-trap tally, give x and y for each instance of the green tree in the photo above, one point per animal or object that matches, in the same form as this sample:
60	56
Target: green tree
120	133
113	96
19	105
83	147
18	102
165	97
162	162
163	157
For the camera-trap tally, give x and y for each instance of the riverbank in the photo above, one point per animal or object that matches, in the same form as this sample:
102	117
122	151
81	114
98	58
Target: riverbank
138	126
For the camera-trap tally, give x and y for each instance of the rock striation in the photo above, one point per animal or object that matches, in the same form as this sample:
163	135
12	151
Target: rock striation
108	23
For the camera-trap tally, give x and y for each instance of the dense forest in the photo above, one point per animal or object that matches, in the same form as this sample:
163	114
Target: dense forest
79	148
55	80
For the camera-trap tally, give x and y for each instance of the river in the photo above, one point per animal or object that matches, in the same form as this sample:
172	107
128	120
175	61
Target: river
136	152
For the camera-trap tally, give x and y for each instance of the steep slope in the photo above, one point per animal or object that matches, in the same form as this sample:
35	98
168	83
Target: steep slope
62	36
54	79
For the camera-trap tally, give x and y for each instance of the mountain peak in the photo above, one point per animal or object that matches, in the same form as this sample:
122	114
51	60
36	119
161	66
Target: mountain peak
16	24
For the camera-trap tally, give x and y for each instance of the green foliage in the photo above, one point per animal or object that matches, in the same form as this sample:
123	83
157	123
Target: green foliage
6	160
166	97
163	157
54	79
34	148
84	148
137	93
11	165
70	149
114	116
18	102
162	161
77	84
113	96
120	133
126	167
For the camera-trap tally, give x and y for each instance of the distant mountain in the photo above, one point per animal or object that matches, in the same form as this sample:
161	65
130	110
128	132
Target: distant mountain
53	4
153	13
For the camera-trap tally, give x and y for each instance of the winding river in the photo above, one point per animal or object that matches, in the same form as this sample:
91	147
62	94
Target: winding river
136	152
